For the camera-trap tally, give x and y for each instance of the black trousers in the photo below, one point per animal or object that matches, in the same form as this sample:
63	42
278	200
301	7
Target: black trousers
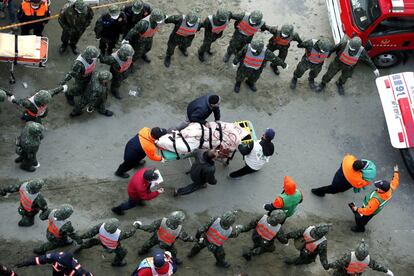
190	188
133	155
243	171
339	184
362	221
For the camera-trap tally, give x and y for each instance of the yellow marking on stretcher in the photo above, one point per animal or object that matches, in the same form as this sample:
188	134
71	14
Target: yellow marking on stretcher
246	126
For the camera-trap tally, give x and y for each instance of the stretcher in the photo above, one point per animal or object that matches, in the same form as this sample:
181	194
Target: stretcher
27	50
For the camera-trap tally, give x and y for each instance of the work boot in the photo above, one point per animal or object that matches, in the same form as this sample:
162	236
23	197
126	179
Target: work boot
167	61
320	87
340	87
317	193
107	113
117	210
75	114
183	51
70	99
121	263
223	264
276	70
146	58
293	83
18	159
357	229
201	56
312	84
226	58
209	52
75	50
27	168
26	222
247	256
122	174
116	95
237	87
62	48
175	194
252	86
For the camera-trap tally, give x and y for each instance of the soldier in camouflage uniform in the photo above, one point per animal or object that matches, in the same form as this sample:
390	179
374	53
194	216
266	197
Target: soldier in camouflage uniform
109	236
356	262
120	62
95	95
60	231
31	200
165	232
135	13
311	242
348	53
316	52
252	59
186	26
266	230
81	72
280	41
246	25
27	145
214	26
213	234
74	19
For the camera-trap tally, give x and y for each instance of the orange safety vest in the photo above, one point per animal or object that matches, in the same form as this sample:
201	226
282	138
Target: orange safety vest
150	32
40	110
109	240
245	28
355	266
265	230
88	67
252	61
353	177
55	225
26	199
123	65
217	29
166	234
217	234
311	244
314	56
184	30
148	144
346	58
29	11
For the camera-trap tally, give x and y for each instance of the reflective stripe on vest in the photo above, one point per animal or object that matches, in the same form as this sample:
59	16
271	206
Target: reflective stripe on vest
40	110
88	67
266	230
149	263
245	28
29	11
382	202
26	198
185	30
55	225
217	234
346	58
166	234
311	244
123	65
279	40
150	32
355	266
314	56
252	61
217	29
75	270
109	240
290	202
255	159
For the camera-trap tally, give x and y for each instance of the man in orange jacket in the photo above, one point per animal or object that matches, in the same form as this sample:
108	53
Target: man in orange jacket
32	10
374	202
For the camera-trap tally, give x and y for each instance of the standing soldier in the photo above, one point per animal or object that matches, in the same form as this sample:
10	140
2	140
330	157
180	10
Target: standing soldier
135	13
120	63
81	71
252	59
281	41
31	200
109	27
33	10
316	52
186	26
266	230
214	26
110	237
74	19
348	53
95	95
356	262
311	242
165	232
213	234
246	26
27	146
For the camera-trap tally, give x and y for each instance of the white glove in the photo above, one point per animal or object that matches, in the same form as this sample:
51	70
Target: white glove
238	227
287	66
10	98
162	160
287	243
161	190
201	240
389	272
38	165
125	42
234	65
137	224
376	73
65	88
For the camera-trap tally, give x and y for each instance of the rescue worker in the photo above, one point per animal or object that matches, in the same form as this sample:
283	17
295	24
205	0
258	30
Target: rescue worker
27	146
143	186
288	200
256	154
316	52
109	235
311	242
135	13
74	19
160	263
245	26
33	10
349	175
31	200
63	263
186	26
141	35
348	53
139	147
35	107
81	72
213	234
267	228
120	62
109	27
375	201
6	271
356	262
60	231
280	41
165	233
252	60
95	95
214	26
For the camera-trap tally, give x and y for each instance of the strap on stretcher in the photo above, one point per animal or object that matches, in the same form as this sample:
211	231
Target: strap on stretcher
173	139
210	135
16	48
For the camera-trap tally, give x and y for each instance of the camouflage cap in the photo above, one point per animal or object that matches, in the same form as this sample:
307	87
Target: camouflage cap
157	16
257	45
320	230
176	218
3	95
126	51
34	128
104	75
287	30
137	6
256	17
91	52
191	18
222	15
362	250
228	218
42	97
111	225
64	211
276	217
355	43
114	10
35	185
80	6
324	45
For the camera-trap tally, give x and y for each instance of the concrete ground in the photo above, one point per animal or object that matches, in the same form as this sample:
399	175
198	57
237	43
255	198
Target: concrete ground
313	132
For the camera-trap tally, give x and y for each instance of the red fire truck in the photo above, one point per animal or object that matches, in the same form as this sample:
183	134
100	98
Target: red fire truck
385	26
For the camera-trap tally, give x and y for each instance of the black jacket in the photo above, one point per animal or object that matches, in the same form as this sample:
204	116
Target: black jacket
110	29
202	171
267	146
199	110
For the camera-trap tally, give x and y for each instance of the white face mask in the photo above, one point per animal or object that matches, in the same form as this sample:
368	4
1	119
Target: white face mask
351	49
35	6
251	22
115	17
190	25
253	51
322	51
284	35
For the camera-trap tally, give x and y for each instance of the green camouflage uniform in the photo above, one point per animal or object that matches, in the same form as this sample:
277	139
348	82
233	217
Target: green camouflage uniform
81	81
282	49
177	40
341	264
305	65
209	36
27	145
117	77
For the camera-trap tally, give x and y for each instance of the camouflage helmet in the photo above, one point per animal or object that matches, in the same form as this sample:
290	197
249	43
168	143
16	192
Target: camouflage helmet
222	15
3	95
355	43
104	75
276	217
114	10
157	16
257	45
286	30
256	17
191	18
34	128
125	51
35	185
362	250
324	45
80	6
228	218
176	218
320	230
42	97
91	52
137	6
64	211
111	225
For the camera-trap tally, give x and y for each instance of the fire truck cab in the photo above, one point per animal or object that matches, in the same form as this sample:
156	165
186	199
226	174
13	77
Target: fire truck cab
385	26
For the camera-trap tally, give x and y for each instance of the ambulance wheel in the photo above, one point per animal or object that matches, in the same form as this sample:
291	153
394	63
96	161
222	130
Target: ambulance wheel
386	60
408	157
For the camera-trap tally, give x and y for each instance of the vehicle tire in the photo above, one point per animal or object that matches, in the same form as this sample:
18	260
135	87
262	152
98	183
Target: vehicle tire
408	157
388	59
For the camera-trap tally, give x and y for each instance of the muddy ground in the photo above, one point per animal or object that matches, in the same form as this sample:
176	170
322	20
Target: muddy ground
78	156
